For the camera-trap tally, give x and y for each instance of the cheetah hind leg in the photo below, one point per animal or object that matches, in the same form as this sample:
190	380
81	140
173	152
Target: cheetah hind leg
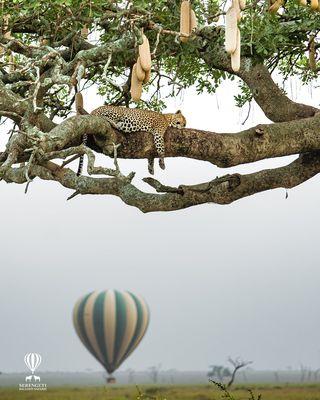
159	143
151	165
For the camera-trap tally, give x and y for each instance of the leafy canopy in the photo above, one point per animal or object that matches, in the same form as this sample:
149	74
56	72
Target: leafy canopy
280	41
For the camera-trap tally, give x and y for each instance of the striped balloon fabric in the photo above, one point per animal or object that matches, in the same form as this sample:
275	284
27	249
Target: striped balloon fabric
111	324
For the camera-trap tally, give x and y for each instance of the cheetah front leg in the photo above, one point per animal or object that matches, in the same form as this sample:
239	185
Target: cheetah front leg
159	143
151	165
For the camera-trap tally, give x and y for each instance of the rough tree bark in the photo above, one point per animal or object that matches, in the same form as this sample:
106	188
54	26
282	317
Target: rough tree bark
38	141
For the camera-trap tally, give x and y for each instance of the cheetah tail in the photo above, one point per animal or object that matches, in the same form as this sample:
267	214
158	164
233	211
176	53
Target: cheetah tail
81	159
80	165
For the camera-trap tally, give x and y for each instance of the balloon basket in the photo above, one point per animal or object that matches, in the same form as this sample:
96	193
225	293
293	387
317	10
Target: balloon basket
111	380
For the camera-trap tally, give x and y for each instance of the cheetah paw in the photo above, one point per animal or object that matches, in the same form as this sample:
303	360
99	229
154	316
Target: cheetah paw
161	163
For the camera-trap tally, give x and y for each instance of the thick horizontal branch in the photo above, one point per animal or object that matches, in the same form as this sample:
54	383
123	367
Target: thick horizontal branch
222	190
225	149
221	149
72	130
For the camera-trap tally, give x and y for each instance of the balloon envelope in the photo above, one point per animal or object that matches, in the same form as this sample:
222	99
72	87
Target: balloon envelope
111	324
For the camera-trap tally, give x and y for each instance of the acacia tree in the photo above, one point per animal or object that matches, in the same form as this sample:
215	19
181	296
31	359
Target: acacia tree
45	51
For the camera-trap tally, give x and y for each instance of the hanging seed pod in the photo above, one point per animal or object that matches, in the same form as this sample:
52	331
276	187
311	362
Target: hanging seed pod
242	4
79	102
141	74
236	6
5	27
84	32
193	21
312	54
147	77
145	55
7	35
136	85
43	41
235	57
5	23
231	30
314	5
77	74
275	6
5	20
185	20
73	80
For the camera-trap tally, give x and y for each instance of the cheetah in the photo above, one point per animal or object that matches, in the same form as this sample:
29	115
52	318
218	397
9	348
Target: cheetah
129	120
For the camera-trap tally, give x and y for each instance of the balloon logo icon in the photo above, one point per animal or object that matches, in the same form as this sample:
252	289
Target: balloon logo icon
32	361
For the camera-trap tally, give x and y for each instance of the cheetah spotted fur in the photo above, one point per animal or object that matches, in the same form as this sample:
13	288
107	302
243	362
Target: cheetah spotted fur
129	120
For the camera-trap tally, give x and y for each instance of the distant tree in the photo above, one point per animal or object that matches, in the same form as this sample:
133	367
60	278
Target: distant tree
309	374
131	375
219	372
303	373
237	365
316	374
171	372
223	373
244	374
154	372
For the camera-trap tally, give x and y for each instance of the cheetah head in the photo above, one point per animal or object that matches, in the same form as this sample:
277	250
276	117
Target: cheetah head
178	120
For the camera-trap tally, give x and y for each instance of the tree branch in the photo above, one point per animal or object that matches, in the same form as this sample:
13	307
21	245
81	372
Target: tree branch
272	100
224	149
12	103
224	190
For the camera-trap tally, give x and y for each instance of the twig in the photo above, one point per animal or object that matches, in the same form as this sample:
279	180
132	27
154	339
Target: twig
27	187
28	166
115	156
160	188
70	160
105	69
36	109
154	26
73	195
157	42
246	119
222	387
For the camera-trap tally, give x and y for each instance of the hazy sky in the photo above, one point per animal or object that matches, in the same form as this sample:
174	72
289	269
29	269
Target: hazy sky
238	280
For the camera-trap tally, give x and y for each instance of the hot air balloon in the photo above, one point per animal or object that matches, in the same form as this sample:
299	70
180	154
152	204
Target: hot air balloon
110	324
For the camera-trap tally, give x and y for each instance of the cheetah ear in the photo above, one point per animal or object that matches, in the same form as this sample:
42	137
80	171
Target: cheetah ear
178	112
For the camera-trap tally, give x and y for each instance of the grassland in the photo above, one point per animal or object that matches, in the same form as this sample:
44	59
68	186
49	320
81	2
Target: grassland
205	392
